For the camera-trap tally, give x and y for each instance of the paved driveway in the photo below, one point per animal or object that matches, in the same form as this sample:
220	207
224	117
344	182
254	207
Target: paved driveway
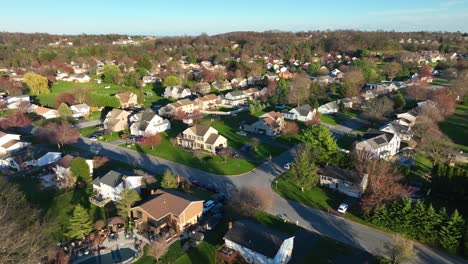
354	234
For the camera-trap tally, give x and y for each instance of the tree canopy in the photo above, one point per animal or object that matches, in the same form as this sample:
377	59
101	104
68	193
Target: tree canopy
36	83
80	223
319	141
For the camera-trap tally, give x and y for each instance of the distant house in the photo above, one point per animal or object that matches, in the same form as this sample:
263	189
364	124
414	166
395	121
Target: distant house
80	110
202	137
379	144
270	124
349	182
222	86
147	123
207	102
150	79
304	113
185	106
116	120
13	102
336	73
203	87
252	93
10	143
176	92
46	159
407	118
239	82
127	99
233	98
257	243
328	108
402	131
166	207
46	113
62	167
81	78
112	184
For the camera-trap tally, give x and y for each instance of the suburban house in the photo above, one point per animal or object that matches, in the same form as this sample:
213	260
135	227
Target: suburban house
147	123
222	86
127	99
80	78
302	113
150	79
185	105
379	144
202	137
80	110
349	182
46	113
336	73
116	120
176	92
45	159
258	243
166	207
407	118
62	167
270	124
10	143
12	102
329	108
239	82
112	184
251	93
233	98
207	102
402	131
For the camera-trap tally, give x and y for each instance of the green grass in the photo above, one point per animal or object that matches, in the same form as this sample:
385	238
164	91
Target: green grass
206	162
68	87
87	131
456	127
346	141
328	119
276	223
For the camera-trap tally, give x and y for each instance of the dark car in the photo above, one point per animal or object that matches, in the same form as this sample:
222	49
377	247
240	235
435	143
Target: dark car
212	188
196	183
246	148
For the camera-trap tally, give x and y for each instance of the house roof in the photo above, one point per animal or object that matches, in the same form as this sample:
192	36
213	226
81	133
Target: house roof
9	144
184	102
80	106
112	178
341	174
209	97
125	97
256	237
65	162
377	138
236	93
164	202
212	138
115	113
2	134
304	110
144	118
41	110
199	130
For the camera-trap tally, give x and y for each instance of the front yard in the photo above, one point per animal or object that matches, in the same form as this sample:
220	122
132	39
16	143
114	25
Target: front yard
456	127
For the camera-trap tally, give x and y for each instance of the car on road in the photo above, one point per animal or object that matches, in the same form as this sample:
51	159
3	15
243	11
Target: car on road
241	133
124	136
208	205
196	183
343	208
287	166
246	148
93	138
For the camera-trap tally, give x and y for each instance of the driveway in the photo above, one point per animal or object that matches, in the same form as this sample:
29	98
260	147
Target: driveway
90	123
354	234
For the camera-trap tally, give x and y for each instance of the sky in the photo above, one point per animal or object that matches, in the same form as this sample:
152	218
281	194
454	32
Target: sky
193	17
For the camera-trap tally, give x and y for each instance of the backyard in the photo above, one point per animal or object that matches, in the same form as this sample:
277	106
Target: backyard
456	127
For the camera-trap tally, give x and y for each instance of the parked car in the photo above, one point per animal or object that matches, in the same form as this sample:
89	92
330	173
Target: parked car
196	183
208	205
93	138
241	133
124	136
287	166
246	148
342	208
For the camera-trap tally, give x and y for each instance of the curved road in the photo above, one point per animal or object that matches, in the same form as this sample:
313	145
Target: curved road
335	227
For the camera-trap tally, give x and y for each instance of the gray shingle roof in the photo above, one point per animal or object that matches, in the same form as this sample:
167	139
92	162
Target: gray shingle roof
112	178
341	174
377	139
256	237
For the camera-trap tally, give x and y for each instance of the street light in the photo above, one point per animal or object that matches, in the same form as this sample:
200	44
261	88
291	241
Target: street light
276	182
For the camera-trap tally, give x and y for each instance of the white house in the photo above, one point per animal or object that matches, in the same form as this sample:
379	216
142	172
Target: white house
112	184
46	159
146	123
12	102
176	92
46	113
328	108
233	98
302	113
258	243
379	144
10	143
349	182
202	137
80	110
402	131
150	79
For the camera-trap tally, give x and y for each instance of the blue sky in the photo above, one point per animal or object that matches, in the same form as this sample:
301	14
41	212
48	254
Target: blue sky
192	17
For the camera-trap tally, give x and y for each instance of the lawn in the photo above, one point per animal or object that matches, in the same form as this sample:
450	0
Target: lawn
456	127
206	162
328	119
68	87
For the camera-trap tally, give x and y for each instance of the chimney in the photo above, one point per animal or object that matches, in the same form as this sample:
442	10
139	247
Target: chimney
230	225
153	192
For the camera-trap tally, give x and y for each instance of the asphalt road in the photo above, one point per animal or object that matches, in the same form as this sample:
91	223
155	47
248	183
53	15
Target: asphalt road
354	234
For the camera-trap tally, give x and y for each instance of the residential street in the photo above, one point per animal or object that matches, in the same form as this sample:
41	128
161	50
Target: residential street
354	234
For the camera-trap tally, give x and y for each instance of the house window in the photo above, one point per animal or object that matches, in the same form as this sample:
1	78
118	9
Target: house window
139	214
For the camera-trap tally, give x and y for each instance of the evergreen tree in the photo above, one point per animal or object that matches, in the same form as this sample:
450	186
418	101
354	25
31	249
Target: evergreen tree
316	104
319	141
80	223
418	221
341	107
125	201
64	111
451	233
169	180
304	170
432	223
80	169
399	101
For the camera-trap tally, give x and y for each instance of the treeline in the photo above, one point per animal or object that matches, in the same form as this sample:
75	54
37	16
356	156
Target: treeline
423	223
450	181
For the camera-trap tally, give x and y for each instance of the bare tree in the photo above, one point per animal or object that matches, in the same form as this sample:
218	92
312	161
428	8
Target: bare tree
435	144
352	82
152	140
158	248
248	201
58	133
377	108
299	89
400	250
418	92
392	69
23	237
148	180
